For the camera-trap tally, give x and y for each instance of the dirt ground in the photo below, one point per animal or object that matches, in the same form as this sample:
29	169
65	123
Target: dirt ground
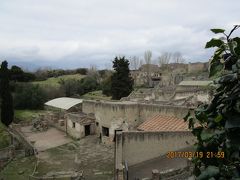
46	139
95	160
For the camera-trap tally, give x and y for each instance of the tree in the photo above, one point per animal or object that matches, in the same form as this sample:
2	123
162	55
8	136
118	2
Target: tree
92	72
7	112
29	96
148	60
164	59
134	62
217	125
16	73
89	83
122	83
71	87
106	86
177	58
148	57
82	71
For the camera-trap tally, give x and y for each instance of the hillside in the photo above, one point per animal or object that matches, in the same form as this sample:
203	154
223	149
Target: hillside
54	81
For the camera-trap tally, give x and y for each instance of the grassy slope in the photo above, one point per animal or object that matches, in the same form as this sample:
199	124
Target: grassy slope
96	95
55	81
27	115
19	169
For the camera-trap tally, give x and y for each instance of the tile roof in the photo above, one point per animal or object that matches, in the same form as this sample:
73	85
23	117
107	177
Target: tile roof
163	123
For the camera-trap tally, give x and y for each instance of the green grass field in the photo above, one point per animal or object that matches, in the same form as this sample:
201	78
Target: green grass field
96	95
19	169
54	81
27	115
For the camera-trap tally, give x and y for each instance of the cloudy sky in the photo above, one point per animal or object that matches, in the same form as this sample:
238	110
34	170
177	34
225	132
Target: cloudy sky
68	33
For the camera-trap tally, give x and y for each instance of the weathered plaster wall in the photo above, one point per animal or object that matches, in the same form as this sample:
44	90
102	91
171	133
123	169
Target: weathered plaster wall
202	96
197	67
77	132
113	114
139	146
149	110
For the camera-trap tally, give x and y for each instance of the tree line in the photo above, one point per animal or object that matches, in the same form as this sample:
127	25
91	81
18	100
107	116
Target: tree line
163	60
17	92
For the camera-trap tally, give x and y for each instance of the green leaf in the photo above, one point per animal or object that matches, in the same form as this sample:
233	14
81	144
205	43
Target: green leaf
201	115
233	120
237	48
187	116
215	69
228	78
216	31
206	134
218	118
237	106
208	173
214	43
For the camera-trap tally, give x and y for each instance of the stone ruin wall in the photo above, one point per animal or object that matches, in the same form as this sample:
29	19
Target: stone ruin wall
113	114
139	146
197	67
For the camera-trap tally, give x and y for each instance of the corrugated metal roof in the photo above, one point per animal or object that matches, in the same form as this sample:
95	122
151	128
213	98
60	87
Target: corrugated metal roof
164	123
63	102
195	83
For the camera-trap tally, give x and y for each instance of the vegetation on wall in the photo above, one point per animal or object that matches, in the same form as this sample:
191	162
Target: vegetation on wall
217	125
121	81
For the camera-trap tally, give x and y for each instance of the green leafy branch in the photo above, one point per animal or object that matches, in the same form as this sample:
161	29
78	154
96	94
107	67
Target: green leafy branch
216	126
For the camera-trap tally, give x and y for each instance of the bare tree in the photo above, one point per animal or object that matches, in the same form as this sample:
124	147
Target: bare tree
177	58
148	60
93	72
164	59
148	57
134	62
140	62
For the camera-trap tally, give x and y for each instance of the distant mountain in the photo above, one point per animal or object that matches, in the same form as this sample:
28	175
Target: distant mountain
60	64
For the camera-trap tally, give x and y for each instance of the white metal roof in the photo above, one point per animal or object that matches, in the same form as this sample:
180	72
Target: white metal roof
195	83
63	102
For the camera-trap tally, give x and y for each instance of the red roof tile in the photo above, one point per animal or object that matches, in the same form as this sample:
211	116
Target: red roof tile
164	123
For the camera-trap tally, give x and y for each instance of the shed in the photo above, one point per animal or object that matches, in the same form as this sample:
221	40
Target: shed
64	103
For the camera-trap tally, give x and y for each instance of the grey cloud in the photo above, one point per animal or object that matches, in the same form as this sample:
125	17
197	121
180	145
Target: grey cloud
95	31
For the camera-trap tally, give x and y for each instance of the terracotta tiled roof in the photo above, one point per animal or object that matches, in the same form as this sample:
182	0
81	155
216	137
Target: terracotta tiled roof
163	123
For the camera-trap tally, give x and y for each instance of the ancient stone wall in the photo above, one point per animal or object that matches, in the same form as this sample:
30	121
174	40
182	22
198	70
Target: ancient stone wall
76	132
197	67
113	114
139	146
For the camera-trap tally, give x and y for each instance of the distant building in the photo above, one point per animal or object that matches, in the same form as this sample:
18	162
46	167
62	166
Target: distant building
200	90
197	67
148	75
178	68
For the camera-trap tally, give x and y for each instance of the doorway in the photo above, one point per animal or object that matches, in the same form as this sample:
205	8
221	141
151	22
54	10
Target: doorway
87	130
